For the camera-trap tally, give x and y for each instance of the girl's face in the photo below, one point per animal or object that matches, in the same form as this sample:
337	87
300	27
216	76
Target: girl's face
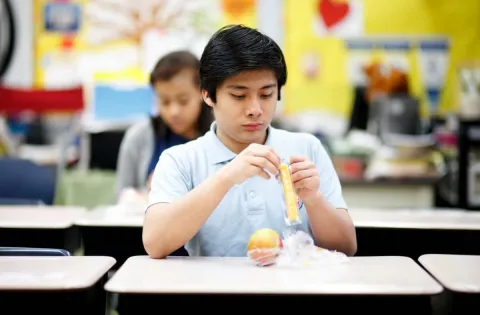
179	103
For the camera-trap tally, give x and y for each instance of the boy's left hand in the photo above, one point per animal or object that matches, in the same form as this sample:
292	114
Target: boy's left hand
305	177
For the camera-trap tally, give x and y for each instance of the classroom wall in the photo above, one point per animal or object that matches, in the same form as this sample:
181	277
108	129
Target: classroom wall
84	55
122	64
20	71
331	89
460	20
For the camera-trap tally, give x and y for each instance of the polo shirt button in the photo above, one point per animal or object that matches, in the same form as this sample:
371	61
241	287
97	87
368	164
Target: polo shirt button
252	194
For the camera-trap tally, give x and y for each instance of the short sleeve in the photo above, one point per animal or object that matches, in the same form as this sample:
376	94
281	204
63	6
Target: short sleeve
330	186
169	181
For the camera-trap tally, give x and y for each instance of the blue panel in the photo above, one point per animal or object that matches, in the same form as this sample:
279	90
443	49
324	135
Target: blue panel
122	104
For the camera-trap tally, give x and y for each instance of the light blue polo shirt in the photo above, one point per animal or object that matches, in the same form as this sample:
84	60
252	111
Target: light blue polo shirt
255	204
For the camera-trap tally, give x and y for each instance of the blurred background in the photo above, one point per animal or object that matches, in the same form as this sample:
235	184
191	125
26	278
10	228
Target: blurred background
391	88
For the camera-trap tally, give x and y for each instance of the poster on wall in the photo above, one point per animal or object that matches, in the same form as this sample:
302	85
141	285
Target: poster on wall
315	54
423	60
328	41
433	56
115	29
62	17
114	45
102	32
338	18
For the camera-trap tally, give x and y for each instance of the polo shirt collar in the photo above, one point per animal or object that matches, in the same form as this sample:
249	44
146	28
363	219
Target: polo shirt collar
218	153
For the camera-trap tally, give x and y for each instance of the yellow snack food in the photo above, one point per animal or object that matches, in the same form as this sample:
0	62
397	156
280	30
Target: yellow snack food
289	192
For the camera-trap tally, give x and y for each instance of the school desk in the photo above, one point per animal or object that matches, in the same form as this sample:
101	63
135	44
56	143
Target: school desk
460	275
414	232
53	285
390	192
40	226
113	231
195	283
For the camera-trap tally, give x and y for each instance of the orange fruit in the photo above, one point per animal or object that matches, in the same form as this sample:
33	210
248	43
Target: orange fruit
264	246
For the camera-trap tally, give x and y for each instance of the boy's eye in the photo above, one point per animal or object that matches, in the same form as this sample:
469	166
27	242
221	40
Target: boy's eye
238	97
267	95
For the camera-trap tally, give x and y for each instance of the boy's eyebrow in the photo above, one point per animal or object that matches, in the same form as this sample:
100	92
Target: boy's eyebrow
242	87
237	87
269	86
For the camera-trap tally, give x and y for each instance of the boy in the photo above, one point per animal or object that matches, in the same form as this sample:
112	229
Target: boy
213	193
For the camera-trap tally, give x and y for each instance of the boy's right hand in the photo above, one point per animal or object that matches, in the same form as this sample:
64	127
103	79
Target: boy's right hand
255	160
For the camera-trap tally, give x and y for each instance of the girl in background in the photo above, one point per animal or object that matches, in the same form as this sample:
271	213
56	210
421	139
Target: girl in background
183	116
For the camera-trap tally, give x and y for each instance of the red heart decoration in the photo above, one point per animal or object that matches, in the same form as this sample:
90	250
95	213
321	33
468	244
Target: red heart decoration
332	11
67	42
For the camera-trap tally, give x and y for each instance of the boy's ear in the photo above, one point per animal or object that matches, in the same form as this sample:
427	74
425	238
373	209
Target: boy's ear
206	98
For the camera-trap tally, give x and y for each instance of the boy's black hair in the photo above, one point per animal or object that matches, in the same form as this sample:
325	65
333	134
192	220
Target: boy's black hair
164	70
237	48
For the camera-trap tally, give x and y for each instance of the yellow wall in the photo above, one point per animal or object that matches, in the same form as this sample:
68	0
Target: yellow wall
331	90
46	43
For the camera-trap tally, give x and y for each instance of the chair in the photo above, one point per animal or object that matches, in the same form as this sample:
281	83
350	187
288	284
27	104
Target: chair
24	180
29	251
20	202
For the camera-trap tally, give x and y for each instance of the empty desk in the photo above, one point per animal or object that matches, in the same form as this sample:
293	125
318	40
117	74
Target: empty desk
39	226
114	231
390	192
376	284
460	275
54	285
415	232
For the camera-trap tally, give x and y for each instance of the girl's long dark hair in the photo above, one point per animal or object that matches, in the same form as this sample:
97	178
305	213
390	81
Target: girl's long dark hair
167	67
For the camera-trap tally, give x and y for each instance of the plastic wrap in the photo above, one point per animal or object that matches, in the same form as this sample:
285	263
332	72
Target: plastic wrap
267	248
290	198
264	257
297	249
300	250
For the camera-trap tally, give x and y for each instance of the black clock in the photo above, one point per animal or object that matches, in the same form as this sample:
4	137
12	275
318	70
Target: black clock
7	35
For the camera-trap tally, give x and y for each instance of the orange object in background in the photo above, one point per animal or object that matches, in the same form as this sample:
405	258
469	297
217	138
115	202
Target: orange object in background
237	8
349	167
383	80
264	246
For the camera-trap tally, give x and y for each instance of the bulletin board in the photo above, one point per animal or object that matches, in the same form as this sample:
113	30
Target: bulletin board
80	41
319	33
110	46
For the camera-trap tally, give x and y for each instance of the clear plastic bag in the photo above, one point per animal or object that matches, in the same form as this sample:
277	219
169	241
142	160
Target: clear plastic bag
267	248
296	250
300	250
264	257
290	199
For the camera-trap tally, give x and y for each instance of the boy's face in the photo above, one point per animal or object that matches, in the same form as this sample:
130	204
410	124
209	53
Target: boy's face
245	107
